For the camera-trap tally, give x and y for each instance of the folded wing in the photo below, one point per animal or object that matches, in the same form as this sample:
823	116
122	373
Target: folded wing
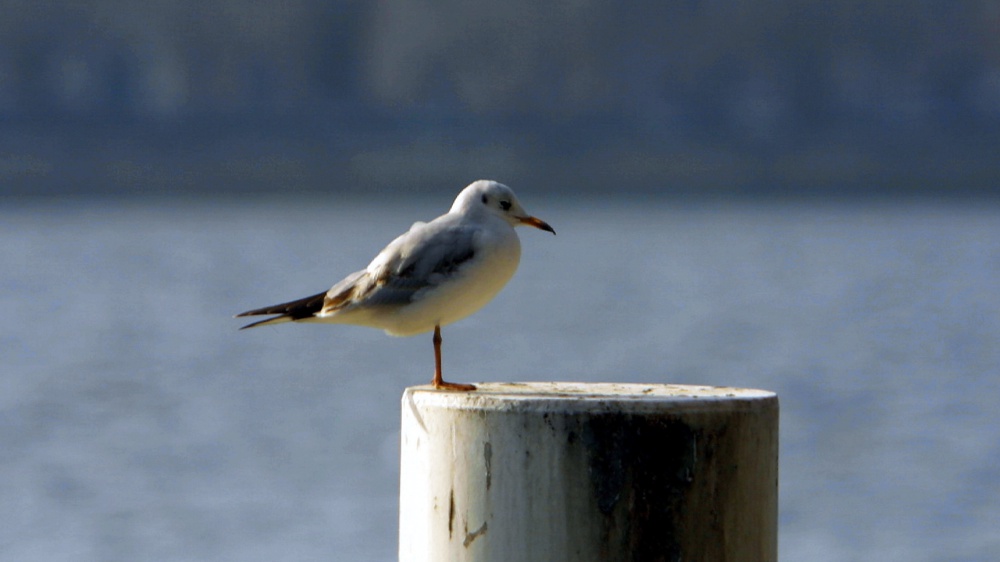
416	261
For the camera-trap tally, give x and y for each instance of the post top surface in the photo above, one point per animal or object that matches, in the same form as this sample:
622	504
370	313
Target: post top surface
587	396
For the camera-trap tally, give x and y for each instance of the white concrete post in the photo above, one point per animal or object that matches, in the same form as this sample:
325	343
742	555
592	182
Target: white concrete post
588	472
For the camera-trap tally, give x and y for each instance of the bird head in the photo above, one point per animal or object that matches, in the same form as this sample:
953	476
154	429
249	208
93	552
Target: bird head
498	199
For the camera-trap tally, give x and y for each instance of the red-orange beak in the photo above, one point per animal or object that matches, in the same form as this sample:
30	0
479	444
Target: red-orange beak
537	223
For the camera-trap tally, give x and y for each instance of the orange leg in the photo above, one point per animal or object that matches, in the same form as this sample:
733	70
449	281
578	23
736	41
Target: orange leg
438	381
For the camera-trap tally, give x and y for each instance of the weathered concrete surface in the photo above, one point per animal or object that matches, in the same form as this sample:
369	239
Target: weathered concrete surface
580	472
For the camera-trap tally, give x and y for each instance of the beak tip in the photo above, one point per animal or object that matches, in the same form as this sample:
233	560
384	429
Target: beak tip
538	223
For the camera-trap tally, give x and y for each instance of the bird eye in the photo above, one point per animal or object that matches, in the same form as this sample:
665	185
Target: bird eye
484	199
505	205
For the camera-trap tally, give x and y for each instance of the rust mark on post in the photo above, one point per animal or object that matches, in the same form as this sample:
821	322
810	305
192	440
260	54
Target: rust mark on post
469	537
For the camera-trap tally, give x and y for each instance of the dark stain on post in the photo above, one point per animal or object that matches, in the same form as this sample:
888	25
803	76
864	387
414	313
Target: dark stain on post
451	512
488	457
635	460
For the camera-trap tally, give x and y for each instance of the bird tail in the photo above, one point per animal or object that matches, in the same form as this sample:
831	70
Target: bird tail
288	311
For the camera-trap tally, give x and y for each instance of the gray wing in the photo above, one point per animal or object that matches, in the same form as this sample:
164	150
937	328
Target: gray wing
423	258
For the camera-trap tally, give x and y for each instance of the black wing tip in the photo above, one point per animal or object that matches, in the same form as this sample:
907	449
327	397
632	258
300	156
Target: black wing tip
276	309
293	310
259	322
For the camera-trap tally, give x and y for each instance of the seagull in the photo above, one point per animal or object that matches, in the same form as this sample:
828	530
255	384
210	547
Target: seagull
430	276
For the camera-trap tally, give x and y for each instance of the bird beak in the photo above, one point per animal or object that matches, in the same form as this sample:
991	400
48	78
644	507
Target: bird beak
537	223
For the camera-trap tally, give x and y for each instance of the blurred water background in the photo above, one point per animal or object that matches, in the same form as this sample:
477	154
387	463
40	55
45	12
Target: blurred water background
794	195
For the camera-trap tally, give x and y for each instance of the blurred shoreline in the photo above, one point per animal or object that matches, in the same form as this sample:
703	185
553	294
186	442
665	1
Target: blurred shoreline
260	167
788	98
